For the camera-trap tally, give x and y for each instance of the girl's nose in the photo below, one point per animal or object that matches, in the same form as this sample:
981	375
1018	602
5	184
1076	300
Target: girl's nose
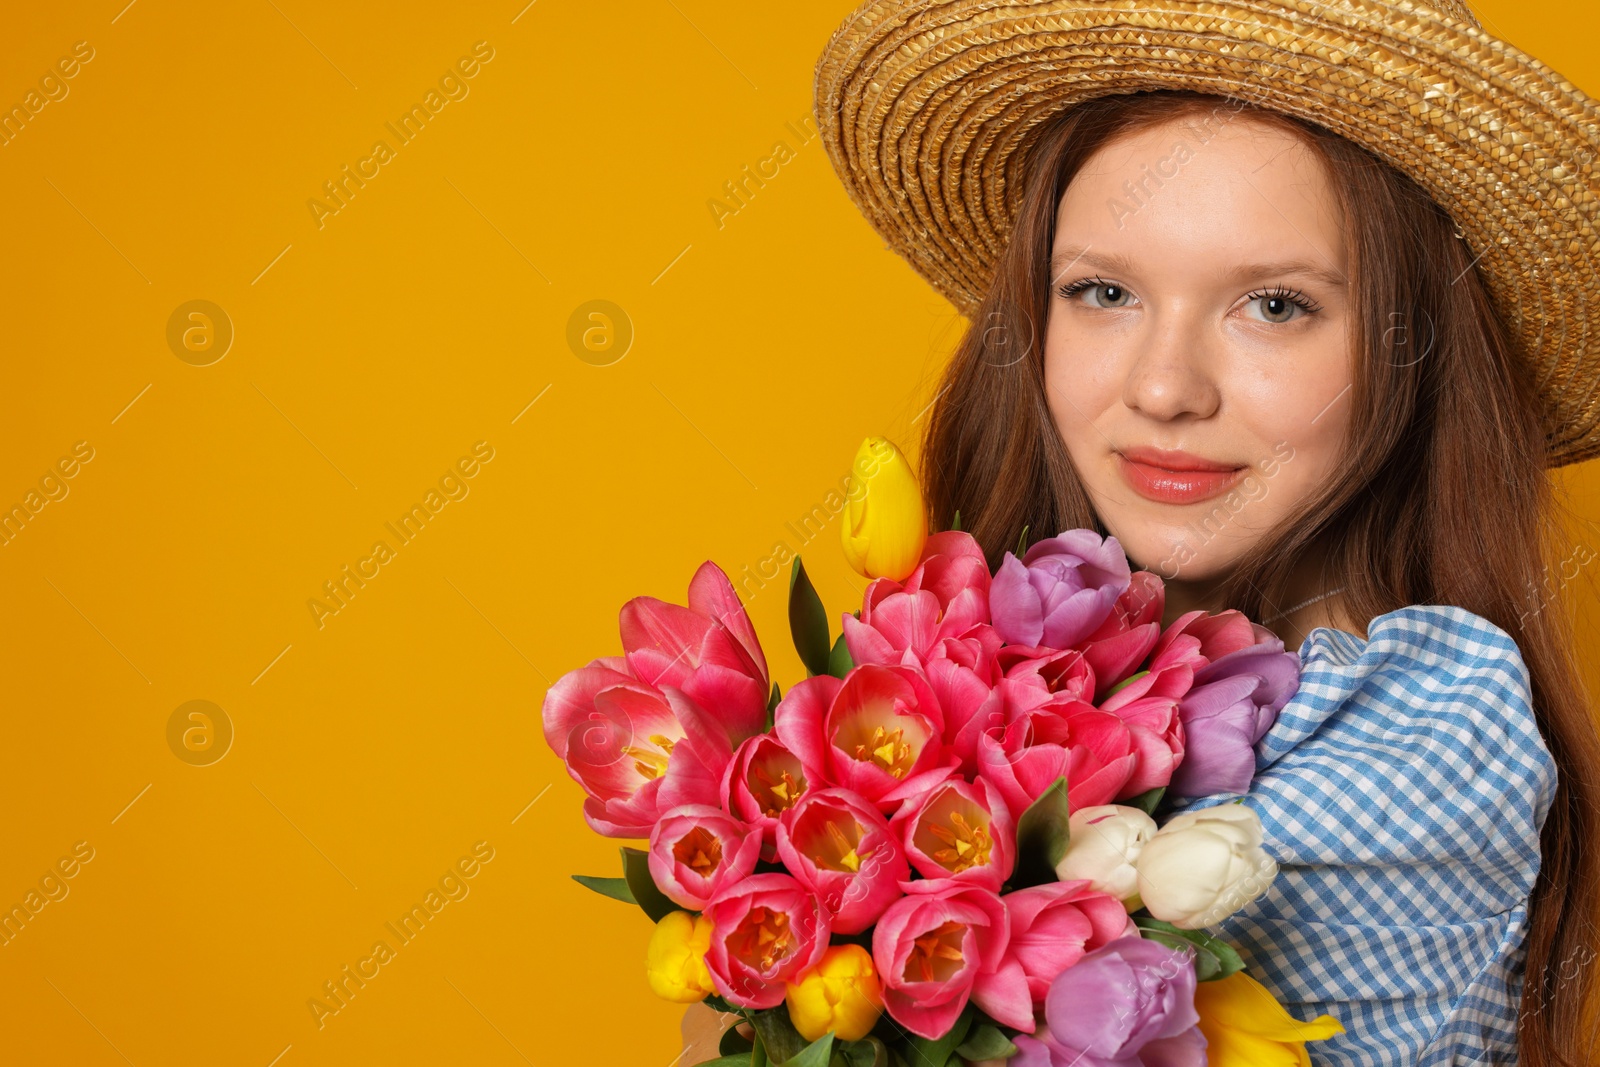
1169	373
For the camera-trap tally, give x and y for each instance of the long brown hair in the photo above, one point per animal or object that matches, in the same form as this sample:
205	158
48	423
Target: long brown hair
1443	496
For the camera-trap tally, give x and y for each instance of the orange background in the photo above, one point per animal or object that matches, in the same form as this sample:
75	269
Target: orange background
372	752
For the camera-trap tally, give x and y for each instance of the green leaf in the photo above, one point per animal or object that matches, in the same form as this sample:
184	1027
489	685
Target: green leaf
740	1060
816	1054
636	869
772	702
1214	958
1022	543
615	888
1042	836
839	661
736	1044
717	1004
926	1053
868	1052
779	1038
808	621
955	523
987	1042
1127	681
1146	801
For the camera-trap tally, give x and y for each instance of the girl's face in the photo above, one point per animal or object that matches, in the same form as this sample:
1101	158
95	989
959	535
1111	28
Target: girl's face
1197	353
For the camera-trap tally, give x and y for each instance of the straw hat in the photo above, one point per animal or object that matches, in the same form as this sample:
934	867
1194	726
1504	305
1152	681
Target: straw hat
926	106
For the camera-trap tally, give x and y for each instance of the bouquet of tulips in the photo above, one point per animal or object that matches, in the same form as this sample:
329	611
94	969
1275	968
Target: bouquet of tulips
947	843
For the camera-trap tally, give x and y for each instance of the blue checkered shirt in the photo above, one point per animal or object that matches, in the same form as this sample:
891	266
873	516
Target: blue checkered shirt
1402	790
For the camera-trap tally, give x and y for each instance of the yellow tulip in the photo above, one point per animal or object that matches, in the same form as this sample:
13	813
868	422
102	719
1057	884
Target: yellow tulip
675	961
885	523
841	993
1245	1026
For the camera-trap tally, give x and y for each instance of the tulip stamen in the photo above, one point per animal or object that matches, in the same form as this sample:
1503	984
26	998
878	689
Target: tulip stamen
651	764
888	749
781	793
764	938
700	850
968	845
933	954
848	859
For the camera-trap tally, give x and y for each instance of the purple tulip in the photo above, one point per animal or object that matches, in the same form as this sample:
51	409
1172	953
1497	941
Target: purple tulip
1127	1004
1060	591
1235	700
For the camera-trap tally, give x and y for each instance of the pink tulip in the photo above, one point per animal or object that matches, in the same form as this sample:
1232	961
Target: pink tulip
1149	705
931	948
766	930
763	781
839	846
1158	737
1198	637
1052	927
1002	714
1095	750
635	749
1060	591
958	831
877	732
1021	772
1121	643
945	596
963	673
1067	673
708	650
695	849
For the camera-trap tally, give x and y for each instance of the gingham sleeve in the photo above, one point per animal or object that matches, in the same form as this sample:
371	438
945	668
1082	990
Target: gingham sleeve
1402	790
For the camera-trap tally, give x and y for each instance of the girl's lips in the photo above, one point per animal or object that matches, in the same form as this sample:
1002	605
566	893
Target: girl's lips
1175	487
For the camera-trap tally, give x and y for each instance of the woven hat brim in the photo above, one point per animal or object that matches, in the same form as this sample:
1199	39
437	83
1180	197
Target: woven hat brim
926	109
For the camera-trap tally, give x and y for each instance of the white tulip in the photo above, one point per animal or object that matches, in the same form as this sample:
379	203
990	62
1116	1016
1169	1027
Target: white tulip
1204	865
1105	842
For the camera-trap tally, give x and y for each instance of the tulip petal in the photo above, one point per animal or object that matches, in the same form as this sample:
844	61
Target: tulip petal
571	700
798	719
1014	606
865	643
712	595
1004	995
660	638
1114	658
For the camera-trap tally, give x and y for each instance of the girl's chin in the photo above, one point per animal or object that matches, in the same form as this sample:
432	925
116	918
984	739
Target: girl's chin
1175	559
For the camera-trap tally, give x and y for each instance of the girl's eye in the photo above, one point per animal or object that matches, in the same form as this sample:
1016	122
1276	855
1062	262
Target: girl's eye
1109	295
1281	305
1104	294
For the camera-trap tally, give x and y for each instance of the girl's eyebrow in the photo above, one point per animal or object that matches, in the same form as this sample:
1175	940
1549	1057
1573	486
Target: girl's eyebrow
1324	274
1064	258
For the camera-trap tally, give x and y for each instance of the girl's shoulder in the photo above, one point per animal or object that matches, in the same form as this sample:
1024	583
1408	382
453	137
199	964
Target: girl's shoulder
1416	746
1441	632
1437	670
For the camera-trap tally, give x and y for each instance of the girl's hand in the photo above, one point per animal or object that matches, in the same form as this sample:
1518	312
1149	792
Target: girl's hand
702	1034
703	1030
